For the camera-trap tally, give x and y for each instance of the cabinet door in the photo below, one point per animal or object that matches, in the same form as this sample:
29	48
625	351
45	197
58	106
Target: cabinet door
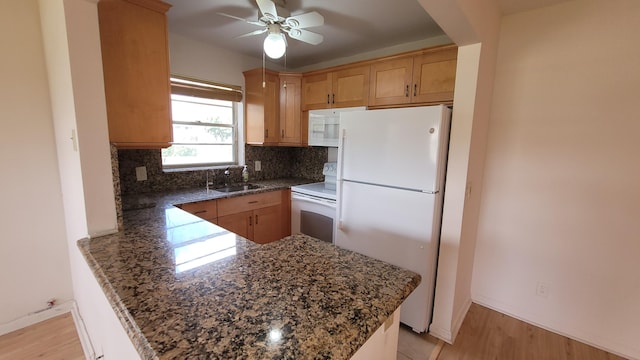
350	87
261	107
135	58
434	76
239	223
290	113
315	91
267	224
390	81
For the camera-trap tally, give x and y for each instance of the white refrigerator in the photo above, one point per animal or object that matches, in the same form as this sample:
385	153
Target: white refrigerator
391	167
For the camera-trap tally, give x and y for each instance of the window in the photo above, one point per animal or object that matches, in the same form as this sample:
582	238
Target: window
205	125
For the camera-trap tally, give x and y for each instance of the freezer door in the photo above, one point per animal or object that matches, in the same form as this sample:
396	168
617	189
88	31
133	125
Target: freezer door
396	226
398	147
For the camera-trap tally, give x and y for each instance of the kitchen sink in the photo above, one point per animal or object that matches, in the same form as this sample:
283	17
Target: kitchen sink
239	187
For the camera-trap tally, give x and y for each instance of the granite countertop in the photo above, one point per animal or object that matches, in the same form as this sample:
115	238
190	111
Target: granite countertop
185	288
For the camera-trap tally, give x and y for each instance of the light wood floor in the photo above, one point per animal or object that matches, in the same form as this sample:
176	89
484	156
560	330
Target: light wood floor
487	334
53	339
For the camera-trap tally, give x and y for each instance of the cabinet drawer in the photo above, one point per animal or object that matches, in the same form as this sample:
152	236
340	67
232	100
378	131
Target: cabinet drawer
248	202
207	210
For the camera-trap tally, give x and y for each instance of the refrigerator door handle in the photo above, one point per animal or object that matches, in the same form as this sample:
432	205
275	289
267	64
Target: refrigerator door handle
341	142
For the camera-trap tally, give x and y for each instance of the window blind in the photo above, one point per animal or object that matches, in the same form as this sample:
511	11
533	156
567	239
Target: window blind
182	85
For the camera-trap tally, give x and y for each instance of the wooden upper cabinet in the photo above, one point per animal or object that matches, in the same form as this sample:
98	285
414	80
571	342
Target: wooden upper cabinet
290	113
428	77
390	82
340	88
316	90
261	107
135	59
434	76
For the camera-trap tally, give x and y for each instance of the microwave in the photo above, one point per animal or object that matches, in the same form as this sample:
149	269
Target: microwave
324	125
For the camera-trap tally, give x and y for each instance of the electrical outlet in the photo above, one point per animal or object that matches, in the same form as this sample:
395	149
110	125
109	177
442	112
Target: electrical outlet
258	166
542	289
141	173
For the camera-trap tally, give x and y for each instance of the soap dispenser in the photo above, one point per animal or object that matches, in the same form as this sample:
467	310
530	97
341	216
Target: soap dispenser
245	174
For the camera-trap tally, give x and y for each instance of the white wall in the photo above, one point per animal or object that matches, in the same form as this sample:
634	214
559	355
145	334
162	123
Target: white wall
474	27
73	57
199	60
34	265
561	196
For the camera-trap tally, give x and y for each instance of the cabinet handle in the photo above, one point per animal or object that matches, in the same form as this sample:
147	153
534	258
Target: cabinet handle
406	91
283	133
199	212
256	219
415	89
253	202
250	220
333	98
327	98
266	133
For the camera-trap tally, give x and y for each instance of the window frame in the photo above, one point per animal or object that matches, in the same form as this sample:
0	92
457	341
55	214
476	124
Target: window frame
198	89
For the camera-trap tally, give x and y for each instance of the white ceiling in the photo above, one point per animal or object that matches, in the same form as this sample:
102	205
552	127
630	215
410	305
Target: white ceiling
351	26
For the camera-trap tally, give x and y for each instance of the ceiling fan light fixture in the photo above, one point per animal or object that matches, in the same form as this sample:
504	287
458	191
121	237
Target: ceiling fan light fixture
275	44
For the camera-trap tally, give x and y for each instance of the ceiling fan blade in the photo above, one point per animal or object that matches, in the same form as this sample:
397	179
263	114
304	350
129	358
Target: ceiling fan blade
306	36
255	32
309	19
268	9
241	19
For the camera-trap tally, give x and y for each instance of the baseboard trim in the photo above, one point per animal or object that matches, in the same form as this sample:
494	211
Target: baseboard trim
36	317
83	334
459	319
449	335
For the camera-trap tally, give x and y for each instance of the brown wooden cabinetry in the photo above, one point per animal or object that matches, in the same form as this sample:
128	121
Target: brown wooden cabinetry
427	77
272	113
292	130
261	107
335	89
135	58
207	210
261	217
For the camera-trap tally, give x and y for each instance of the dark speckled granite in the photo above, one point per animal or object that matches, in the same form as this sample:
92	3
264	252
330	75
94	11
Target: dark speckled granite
184	288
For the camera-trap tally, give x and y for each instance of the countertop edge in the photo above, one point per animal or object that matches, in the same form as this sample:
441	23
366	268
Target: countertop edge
134	333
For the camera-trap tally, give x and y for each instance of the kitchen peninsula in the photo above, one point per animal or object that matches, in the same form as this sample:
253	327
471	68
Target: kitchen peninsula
185	288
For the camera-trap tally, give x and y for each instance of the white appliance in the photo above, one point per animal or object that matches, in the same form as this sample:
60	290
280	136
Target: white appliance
313	206
324	126
391	167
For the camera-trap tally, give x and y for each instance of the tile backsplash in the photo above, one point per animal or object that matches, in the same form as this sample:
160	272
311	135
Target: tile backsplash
277	162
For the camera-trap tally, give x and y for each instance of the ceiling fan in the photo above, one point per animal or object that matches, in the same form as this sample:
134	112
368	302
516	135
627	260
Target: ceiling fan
275	44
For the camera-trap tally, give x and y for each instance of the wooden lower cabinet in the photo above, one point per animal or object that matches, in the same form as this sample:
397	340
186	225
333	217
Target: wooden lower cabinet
262	218
239	223
266	225
207	210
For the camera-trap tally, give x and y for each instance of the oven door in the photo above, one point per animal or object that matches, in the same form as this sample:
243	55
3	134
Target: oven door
313	216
